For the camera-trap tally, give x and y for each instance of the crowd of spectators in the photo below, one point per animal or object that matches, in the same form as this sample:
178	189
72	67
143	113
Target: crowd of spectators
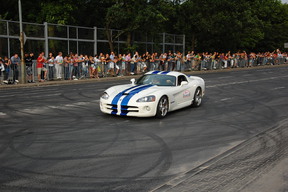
75	67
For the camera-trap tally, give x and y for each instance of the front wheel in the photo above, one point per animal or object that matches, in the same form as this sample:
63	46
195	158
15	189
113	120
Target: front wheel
197	100
162	107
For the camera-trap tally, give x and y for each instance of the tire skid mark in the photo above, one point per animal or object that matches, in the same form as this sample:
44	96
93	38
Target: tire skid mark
251	106
63	181
238	168
6	141
123	181
164	160
99	153
40	178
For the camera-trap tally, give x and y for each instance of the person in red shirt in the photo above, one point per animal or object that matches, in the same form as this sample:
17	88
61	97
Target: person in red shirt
40	66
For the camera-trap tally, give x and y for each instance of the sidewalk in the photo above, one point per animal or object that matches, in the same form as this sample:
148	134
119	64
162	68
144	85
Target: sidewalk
62	82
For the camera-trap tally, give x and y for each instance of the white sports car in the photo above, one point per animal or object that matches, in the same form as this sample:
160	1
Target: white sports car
153	94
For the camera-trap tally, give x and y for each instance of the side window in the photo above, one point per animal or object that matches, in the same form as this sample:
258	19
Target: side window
180	79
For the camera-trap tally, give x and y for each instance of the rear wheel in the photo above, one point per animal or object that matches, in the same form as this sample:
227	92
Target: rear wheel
162	107
197	100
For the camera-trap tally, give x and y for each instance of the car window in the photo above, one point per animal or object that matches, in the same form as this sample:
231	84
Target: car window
157	79
180	79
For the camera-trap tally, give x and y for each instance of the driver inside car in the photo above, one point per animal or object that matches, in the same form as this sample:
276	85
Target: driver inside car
155	81
170	82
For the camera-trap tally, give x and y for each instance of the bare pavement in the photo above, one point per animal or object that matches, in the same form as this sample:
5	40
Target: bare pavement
53	137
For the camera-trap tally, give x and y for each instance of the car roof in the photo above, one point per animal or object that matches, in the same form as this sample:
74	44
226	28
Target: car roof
173	73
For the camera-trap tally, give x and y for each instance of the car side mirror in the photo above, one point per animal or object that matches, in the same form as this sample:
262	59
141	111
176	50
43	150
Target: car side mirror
184	83
133	81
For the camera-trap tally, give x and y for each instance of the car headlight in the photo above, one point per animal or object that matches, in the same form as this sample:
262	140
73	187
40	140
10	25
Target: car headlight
150	98
105	96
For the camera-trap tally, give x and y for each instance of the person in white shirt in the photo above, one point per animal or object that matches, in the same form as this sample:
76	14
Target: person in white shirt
59	65
51	61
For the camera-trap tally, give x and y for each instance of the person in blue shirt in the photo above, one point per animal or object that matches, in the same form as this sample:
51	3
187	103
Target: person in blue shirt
15	62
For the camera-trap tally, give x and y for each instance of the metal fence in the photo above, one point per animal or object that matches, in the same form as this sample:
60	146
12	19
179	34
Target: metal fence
83	40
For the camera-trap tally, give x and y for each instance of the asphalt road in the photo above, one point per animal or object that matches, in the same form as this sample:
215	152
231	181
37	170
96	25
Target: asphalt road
56	139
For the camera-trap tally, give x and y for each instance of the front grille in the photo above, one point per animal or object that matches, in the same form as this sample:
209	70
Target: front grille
113	108
125	109
129	108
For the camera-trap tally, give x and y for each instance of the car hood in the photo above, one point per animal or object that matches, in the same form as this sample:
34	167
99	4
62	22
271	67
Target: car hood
139	91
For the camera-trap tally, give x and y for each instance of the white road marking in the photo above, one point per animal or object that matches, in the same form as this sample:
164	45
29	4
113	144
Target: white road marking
276	88
66	106
50	95
247	81
225	99
224	77
7	96
2	114
73	104
31	94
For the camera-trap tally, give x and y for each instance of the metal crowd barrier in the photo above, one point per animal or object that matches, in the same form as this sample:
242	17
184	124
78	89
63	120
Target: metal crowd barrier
69	72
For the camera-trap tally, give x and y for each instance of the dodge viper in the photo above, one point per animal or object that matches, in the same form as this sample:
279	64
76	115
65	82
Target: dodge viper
153	94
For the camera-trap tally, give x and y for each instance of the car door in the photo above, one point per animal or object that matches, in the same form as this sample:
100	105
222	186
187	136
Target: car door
183	93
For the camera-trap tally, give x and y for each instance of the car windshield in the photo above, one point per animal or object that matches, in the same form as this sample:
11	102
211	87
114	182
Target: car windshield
157	79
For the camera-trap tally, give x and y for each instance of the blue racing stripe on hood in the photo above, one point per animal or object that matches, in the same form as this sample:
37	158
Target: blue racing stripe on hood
165	72
117	97
132	93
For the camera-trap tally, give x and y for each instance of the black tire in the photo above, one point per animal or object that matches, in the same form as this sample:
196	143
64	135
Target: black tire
162	107
197	99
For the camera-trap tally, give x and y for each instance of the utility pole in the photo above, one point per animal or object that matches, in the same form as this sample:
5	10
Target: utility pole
23	68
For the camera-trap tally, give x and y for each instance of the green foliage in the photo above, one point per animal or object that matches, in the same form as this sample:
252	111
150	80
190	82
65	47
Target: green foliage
223	25
57	11
3	16
134	15
208	25
131	49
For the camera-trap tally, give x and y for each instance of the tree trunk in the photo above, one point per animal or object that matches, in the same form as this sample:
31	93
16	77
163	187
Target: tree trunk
193	42
129	43
129	39
110	39
51	43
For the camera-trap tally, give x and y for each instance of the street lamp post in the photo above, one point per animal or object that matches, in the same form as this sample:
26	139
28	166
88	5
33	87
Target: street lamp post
23	76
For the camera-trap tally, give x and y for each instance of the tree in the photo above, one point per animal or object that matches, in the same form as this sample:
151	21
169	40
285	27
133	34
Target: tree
56	12
274	15
131	16
209	25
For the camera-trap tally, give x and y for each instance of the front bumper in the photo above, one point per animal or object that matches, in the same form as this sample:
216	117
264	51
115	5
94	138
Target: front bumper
145	109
